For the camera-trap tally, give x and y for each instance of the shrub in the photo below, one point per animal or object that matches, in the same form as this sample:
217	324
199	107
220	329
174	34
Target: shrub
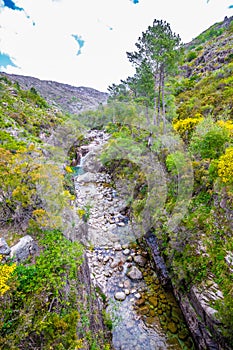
209	140
185	126
225	166
6	271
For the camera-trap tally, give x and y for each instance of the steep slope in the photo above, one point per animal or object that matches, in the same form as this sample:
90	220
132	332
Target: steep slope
68	98
46	296
205	87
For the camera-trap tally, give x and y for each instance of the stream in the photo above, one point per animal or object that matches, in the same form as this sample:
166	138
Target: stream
143	314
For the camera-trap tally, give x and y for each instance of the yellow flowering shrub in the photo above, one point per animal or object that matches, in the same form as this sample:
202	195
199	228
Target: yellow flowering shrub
228	125
185	126
5	274
225	166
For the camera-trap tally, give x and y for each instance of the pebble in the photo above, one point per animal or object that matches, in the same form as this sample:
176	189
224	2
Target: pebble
137	295
126	251
120	296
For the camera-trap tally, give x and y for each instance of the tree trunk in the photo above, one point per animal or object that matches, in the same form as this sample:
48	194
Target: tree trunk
163	101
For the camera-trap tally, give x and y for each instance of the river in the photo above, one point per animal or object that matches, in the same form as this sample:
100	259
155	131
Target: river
142	314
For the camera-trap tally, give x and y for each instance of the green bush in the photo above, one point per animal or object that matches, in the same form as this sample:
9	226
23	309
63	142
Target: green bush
209	140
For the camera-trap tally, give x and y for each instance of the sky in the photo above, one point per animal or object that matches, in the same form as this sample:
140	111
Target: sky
84	42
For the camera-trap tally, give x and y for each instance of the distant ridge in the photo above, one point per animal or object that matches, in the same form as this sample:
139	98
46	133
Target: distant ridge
65	97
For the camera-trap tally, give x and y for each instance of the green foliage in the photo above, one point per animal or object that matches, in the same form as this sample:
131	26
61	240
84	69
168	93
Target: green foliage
175	162
44	292
191	56
209	140
26	110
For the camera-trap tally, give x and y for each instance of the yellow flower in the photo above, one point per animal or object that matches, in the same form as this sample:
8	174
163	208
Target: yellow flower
5	274
225	166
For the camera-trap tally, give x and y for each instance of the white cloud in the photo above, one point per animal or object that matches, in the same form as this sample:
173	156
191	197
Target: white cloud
48	51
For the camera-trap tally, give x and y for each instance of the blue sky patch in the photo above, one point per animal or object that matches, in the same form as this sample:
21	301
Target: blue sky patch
11	5
5	61
80	42
135	1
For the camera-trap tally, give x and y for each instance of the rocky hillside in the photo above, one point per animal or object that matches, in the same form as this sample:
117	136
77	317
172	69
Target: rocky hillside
65	97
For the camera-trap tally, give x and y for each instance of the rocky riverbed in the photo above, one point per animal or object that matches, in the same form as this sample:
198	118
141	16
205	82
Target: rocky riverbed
143	315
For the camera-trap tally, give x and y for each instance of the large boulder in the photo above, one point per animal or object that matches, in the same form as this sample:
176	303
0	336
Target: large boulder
4	248
23	249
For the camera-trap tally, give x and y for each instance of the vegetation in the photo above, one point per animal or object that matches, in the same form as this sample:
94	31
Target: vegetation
41	298
177	180
187	201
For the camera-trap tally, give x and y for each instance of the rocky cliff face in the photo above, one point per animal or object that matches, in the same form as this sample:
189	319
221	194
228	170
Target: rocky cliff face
65	97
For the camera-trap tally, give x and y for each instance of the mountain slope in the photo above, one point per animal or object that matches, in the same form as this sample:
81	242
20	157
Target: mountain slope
68	98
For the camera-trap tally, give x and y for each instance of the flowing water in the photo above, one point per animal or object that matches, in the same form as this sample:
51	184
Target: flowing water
143	315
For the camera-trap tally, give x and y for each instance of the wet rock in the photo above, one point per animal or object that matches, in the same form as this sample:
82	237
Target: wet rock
140	260
152	313
144	310
154	301
140	302
172	327
134	273
183	334
120	296
4	248
116	263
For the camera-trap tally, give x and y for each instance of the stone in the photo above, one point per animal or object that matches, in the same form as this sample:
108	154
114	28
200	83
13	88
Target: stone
116	263
120	296
126	251
137	295
134	273
127	291
4	248
140	260
183	334
121	224
140	302
172	327
127	284
144	310
154	301
117	247
23	249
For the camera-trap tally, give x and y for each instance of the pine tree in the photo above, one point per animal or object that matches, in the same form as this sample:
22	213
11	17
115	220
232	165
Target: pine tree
158	49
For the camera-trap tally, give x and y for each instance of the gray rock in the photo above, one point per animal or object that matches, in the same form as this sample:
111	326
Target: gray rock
120	296
140	260
4	248
23	249
134	273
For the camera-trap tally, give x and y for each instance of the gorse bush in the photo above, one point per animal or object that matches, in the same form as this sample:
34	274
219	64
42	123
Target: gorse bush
6	271
186	126
225	166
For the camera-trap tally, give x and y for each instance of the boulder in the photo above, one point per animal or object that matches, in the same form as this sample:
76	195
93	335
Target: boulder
134	273
4	248
23	249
